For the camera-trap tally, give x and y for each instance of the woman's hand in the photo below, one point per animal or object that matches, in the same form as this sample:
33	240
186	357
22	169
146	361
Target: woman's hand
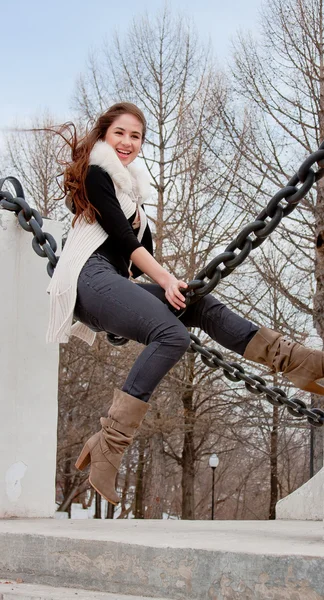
146	263
173	295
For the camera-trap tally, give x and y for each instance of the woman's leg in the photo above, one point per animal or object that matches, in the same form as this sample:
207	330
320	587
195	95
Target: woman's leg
209	314
304	367
222	324
109	302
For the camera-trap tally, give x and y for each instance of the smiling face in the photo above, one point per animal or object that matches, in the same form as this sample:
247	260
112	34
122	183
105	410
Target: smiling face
124	135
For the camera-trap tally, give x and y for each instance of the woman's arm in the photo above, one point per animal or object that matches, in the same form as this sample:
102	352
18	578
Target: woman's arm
101	193
146	263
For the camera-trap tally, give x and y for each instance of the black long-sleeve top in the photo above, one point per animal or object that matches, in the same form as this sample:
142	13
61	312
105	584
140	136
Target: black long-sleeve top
122	238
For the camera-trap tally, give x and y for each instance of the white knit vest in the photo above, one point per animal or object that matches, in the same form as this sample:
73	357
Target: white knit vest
132	189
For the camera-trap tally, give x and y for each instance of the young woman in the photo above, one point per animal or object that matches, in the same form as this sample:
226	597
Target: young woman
110	238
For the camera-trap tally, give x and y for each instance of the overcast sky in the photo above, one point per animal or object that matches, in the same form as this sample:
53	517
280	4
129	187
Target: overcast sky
44	45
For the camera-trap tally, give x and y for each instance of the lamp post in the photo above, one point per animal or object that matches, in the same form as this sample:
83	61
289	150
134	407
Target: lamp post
213	463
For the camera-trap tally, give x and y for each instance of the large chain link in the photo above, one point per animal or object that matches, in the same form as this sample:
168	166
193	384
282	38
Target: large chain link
255	384
30	220
265	223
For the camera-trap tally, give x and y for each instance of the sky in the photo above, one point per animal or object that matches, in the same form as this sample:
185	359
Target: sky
45	45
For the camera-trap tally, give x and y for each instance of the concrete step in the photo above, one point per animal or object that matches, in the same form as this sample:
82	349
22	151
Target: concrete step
178	560
10	590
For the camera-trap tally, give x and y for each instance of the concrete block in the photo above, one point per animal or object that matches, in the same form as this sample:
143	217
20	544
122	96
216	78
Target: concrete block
28	376
306	503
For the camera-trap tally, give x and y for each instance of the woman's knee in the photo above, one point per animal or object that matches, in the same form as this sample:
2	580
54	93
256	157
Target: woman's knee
176	336
185	340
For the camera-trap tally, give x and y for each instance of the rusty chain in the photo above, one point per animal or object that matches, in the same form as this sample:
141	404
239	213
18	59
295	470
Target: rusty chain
265	223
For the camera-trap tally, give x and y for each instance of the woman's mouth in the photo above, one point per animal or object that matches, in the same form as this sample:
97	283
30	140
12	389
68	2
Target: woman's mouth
123	153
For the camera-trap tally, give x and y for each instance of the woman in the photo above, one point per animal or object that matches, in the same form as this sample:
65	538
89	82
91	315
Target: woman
109	239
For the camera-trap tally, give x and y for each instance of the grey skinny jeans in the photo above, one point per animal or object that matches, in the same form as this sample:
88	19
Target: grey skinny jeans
108	301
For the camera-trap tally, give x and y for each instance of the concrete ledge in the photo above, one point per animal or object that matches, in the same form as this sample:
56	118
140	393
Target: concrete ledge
306	503
23	591
196	560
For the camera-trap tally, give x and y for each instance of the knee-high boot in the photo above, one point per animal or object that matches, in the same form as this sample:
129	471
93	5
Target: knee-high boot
105	449
303	366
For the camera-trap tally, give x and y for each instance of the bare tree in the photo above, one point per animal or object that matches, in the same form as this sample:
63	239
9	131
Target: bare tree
32	155
277	119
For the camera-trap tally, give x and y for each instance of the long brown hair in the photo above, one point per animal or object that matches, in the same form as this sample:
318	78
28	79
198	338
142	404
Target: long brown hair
75	171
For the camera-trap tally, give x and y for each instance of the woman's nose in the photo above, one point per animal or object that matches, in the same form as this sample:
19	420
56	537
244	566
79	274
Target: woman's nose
126	140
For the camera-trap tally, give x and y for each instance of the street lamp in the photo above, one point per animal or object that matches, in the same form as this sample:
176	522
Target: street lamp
213	463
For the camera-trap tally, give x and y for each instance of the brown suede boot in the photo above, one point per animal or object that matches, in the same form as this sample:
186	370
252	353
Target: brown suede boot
303	366
105	449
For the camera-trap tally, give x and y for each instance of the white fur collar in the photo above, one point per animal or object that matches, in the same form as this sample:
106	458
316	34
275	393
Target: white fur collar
128	179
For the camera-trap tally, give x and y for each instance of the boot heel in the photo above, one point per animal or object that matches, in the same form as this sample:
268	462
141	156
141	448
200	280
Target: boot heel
84	458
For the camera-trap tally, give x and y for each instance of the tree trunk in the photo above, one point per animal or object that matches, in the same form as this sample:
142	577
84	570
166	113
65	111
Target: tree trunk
67	473
74	492
110	511
274	464
317	433
125	489
188	458
98	506
138	511
155	481
157	468
316	447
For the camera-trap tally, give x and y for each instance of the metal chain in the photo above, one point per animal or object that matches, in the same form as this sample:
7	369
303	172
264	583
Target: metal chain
43	243
265	223
255	384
